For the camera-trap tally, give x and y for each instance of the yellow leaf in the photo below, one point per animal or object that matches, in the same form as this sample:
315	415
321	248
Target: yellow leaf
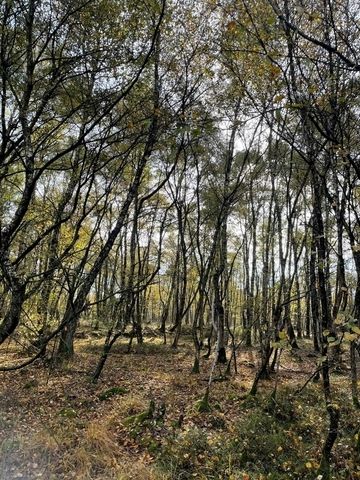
280	449
308	465
326	333
282	335
350	337
356	329
274	70
314	16
278	98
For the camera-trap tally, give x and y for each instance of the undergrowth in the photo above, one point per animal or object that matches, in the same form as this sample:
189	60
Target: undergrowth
142	422
280	440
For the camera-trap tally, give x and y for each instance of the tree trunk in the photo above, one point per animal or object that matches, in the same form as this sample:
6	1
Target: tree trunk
326	324
18	295
12	316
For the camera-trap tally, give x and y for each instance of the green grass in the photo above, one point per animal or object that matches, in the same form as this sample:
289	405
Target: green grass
265	440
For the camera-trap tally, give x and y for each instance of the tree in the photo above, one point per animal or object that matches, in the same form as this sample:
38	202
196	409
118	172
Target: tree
59	115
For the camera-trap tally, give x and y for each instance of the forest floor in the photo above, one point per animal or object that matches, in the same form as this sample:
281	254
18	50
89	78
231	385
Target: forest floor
56	425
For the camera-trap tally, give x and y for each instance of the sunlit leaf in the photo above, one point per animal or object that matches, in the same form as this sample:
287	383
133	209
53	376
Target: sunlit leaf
314	16
321	360
339	319
278	98
350	337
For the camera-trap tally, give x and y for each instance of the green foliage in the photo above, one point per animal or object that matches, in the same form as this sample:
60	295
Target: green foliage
143	428
68	412
9	445
30	384
203	404
279	440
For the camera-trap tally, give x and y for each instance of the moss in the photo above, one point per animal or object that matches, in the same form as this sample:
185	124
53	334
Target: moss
203	404
196	367
141	417
111	392
68	412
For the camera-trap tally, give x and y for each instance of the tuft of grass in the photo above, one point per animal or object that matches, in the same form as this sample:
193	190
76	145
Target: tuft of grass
30	384
96	454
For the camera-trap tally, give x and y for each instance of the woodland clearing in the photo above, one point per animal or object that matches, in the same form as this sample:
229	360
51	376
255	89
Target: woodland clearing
57	425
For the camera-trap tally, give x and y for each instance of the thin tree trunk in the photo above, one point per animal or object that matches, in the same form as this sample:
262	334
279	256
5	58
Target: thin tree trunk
326	323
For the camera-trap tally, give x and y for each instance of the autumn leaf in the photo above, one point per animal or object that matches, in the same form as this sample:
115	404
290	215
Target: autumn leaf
231	25
339	319
321	360
350	337
278	98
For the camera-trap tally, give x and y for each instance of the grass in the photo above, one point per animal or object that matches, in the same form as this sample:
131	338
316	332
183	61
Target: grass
238	438
280	444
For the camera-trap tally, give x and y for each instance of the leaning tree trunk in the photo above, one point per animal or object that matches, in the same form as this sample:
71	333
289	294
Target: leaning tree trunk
18	295
13	314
